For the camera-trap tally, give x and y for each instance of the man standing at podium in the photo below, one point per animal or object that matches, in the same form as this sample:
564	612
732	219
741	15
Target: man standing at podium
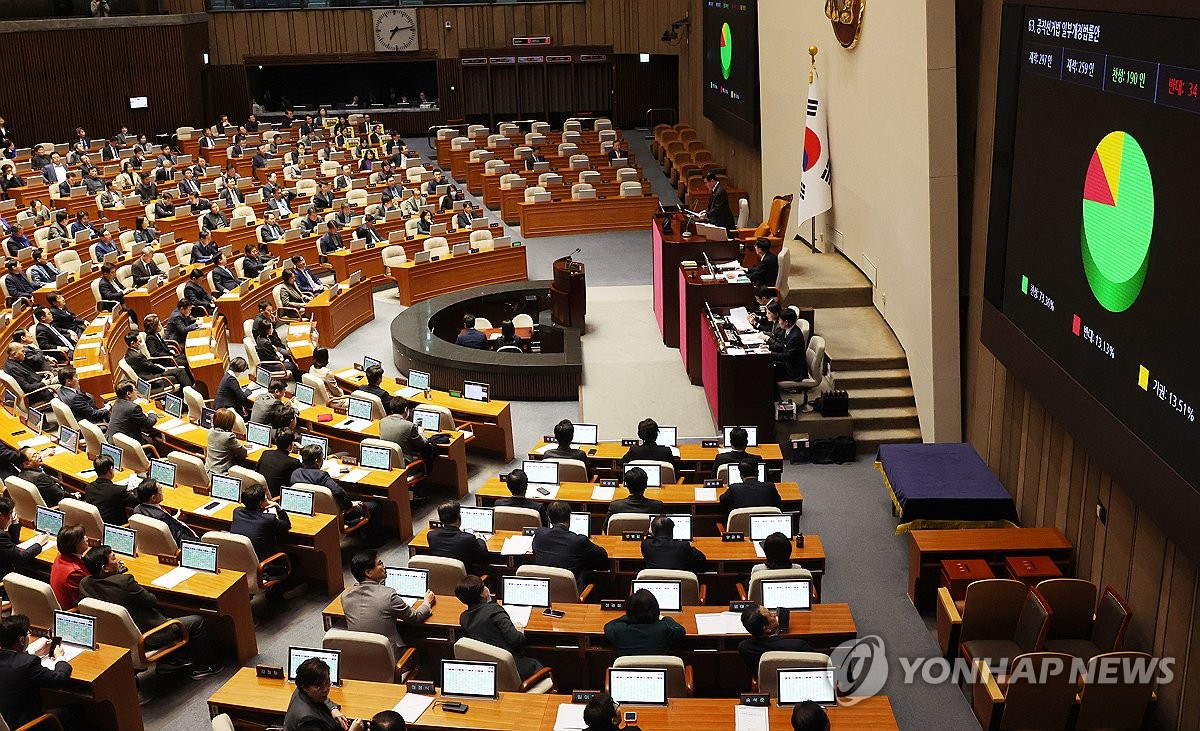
718	212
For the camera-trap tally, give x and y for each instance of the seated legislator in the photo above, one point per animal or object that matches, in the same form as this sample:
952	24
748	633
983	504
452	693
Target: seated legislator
277	465
508	337
19	286
128	418
270	230
306	281
260	519
487	622
635	479
373	606
33	383
535	156
310	708
807	716
642	630
344	216
269	347
276	393
110	498
777	549
558	546
738	439
618	155
17	240
791	362
13	558
148	368
205	249
750	493
224	280
253	262
564	435
224	450
23	676
398	427
649	449
160	352
42	272
64	319
105	246
195	293
320	368
353	511
50	338
518	484
425	223
144	269
766	272
290	296
165	207
111	289
110	581
143	233
230	394
470	337
213	219
81	404
331	240
450	541
68	569
150	497
374	378
763	626
29	462
663	551
602	713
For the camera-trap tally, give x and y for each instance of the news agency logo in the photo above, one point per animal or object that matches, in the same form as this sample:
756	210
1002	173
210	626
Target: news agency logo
862	668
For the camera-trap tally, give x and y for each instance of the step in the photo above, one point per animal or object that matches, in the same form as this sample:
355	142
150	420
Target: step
890	418
868	363
872	378
882	397
868	440
808	295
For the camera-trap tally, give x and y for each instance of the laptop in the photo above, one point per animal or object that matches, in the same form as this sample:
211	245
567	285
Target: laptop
332	658
173	405
198	556
668	593
418	380
305	394
262	377
297	502
638	686
797	685
68	439
653	473
162	472
466	679
223	488
408	583
206	417
34	420
376	458
762	526
322	442
478	520
368	362
427	420
120	540
48	520
683	525
475	391
525	591
585	434
751	435
540	472
77	630
735	473
113	451
143	388
259	434
794	594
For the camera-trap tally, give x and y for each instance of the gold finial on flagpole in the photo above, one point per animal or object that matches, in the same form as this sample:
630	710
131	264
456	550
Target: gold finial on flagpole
812	52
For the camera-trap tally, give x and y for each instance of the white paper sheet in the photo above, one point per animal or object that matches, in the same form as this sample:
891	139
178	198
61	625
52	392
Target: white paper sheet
29	542
181	429
70	652
170	424
411	706
720	623
213	510
706	495
40	440
517	546
354	424
174	577
90	345
603	493
751	718
570	718
354	475
89	368
518	615
408	392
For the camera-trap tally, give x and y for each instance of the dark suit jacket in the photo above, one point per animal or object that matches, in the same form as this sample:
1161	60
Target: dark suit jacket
224	279
48	338
529	161
656	452
124	590
451	542
752	649
25	377
179	531
143	272
558	546
277	467
672	553
766	272
195	294
21	677
128	418
733	456
18	285
305	714
111	290
143	366
262	528
110	499
178	326
635	504
472	339
231	396
488	622
790	353
652	638
82	405
11	557
719	213
751	494
65	320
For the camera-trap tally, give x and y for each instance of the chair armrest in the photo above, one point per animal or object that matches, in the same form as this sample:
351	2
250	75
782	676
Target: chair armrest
687	680
164	359
162	651
409	656
949	623
703	593
44	721
271	559
587	591
741	590
152	450
348	530
986	697
720	528
536	678
292	313
36	390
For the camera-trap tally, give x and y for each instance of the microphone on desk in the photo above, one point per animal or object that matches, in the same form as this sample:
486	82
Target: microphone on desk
573	253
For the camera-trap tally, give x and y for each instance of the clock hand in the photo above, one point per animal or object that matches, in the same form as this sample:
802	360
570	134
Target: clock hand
394	32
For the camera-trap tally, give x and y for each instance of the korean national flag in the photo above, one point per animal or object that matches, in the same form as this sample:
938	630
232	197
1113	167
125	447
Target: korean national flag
816	187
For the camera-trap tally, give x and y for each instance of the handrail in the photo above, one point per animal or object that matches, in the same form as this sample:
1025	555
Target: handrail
651	114
431	132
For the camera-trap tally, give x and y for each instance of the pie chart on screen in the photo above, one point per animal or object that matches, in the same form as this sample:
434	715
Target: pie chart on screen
726	50
1118	221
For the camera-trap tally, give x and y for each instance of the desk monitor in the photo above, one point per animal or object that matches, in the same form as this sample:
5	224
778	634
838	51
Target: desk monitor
34	419
143	388
296	502
586	434
359	408
173	405
797	685
259	434
75	629
48	520
442	189
762	526
332	658
478	520
427	420
465	679
113	451
262	376
541	167
653	473
322	442
305	394
475	391
581	523
379	458
668	593
438	229
638	686
224	487
751	435
525	591
120	540
368	362
68	439
408	583
735	473
668	436
418	380
461	249
795	594
163	472
206	417
683	525
540	472
198	556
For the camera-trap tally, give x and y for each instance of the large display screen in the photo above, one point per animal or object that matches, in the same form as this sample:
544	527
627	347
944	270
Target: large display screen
731	66
1093	249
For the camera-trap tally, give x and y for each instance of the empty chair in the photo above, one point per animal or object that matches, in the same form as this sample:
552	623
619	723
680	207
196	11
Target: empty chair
509	518
462	143
68	261
482	323
237	553
522	320
92	437
607	135
1107	633
114	626
243	474
320	393
480	155
436	242
1032	698
444	573
63	414
25	496
445	418
567	149
367	655
602	123
563	589
770	663
591	177
743	219
508	679
84	514
393	256
627	174
998	650
631	189
540	127
536	194
679	676
548	179
189	469
690	590
377	410
990	608
35	599
153	536
482	240
785	270
1121	703
135	458
222	722
1073	602
754	593
572	125
739	518
511	181
578	162
569	470
619	523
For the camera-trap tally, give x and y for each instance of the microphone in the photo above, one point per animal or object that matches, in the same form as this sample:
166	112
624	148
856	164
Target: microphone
573	253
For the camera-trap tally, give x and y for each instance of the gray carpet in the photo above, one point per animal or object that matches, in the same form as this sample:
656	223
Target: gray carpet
846	505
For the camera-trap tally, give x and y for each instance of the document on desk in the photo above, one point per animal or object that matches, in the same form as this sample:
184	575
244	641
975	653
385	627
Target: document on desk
169	424
411	706
517	546
40	440
570	717
735	351
751	718
752	338
356	474
181	429
87	346
173	578
354	424
408	392
731	264
603	493
29	542
69	652
706	495
720	623
89	368
518	615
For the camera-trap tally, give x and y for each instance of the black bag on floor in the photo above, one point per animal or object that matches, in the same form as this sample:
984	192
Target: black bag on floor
845	449
822	451
835	403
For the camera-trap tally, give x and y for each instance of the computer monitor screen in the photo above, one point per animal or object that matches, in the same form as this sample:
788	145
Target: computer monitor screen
198	556
143	388
797	685
360	408
48	520
469	679
259	434
322	442
762	526
668	593
427	420
206	417
408	583
120	540
683	525
581	523
173	405
540	472
790	593
162	472
636	686
34	419
75	629
478	520
262	376
586	434
224	487
305	394
653	473
113	451
379	458
418	380
668	436
735	473
332	658
526	591
751	435
68	439
475	391
369	362
298	502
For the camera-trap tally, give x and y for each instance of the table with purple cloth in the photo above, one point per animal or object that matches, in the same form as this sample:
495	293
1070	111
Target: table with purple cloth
943	486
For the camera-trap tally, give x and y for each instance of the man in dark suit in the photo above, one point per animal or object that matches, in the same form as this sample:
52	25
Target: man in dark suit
306	281
181	322
450	541
18	284
23	676
214	219
164	208
310	708
398	427
763	626
535	157
311	223
29	462
188	184
558	546
518	484
150	497
353	511
367	231
111	289
564	434
766	272
110	581
128	418
750	493
229	391
323	200
30	381
81	404
64	319
260	519
48	337
649	449
109	498
718	212
331	240
144	269
637	502
233	195
470	337
205	249
738	439
11	557
277	465
196	295
791	361
224	280
54	171
663	551
618	155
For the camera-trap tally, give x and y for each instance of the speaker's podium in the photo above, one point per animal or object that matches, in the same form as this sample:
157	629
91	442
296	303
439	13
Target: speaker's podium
568	293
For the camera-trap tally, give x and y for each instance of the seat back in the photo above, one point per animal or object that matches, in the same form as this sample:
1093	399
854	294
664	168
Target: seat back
1112	621
365	655
508	679
530	193
563	588
1033	623
785	266
68	260
509	518
991	609
26	498
1036	698
153	536
135	458
1073	602
739	518
631	189
377	410
236	552
1119	702
569	470
522	320
114	626
92	437
689	583
77	512
394	256
754	593
193	401
667	470
770	663
509	181
35	599
243	474
189	469
676	675
619	523
222	722
320	394
444	573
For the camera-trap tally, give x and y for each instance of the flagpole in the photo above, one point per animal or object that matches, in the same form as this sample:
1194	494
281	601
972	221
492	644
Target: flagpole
812	70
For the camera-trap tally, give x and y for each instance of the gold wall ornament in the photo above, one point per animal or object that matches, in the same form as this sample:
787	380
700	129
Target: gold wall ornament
847	19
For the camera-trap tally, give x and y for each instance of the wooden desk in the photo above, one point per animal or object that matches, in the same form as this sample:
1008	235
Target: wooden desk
207	351
161	301
237	307
740	388
338	317
866	714
695	460
103	680
511	200
669	251
694	293
928	548
77	294
99	349
557	218
418	282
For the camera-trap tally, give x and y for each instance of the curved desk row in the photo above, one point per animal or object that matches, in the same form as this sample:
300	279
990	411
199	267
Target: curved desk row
418	282
595	215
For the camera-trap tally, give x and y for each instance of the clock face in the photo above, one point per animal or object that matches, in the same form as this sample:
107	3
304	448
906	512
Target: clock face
395	30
